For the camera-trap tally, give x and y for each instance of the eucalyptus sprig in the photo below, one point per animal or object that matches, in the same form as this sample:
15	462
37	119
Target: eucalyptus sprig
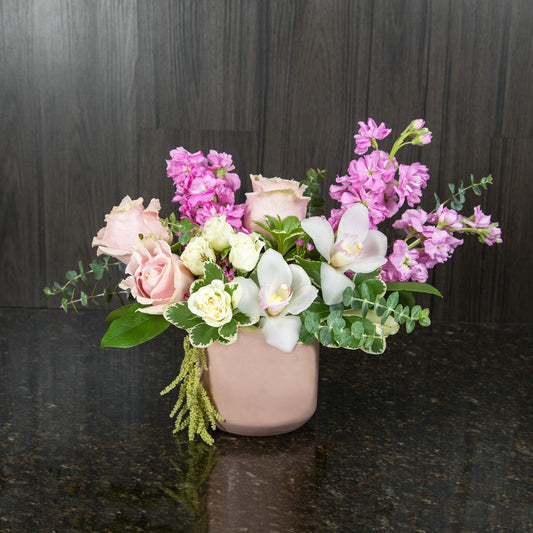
72	293
368	314
183	228
457	197
315	207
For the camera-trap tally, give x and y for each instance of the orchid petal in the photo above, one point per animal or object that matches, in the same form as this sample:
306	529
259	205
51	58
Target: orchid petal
354	223
321	232
303	292
249	302
272	268
372	255
282	332
333	284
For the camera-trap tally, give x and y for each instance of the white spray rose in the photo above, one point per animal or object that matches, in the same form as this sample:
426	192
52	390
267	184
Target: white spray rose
198	251
212	303
245	250
217	232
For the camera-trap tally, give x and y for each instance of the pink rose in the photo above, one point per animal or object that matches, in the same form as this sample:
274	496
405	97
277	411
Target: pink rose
157	276
273	196
124	225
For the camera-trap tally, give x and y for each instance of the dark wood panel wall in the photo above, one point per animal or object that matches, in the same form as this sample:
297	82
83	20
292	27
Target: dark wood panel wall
94	93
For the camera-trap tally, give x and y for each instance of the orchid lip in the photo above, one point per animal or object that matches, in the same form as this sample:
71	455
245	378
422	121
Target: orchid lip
274	298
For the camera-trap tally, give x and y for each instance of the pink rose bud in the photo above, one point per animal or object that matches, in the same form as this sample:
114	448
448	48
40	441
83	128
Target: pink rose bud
273	196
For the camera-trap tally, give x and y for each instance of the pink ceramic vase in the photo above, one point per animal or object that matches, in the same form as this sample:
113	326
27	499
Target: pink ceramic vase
258	389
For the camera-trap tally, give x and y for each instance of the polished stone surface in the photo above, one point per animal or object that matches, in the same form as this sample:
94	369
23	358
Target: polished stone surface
434	435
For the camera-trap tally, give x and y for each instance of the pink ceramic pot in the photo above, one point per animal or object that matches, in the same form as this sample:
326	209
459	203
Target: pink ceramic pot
260	390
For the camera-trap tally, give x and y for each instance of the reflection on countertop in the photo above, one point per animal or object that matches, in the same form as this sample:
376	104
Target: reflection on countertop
434	435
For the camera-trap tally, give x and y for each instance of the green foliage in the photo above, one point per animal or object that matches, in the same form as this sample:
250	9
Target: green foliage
412	286
130	327
457	196
193	409
312	268
363	320
79	290
315	207
284	232
201	334
183	228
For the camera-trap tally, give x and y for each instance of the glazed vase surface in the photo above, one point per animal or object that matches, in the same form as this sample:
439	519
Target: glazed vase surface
260	390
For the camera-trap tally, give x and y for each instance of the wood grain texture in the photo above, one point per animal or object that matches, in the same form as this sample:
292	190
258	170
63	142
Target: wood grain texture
94	93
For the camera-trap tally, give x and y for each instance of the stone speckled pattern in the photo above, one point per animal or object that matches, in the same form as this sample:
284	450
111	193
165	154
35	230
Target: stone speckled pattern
434	435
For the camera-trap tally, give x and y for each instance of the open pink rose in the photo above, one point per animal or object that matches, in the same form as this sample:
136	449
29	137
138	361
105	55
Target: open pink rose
273	196
157	276
125	223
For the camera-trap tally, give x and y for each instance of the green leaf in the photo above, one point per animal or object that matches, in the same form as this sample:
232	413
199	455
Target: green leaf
119	312
203	335
72	276
325	336
311	321
181	316
361	277
245	320
336	324
307	337
358	329
291	223
83	299
212	272
412	286
312	269
372	288
392	300
98	269
132	328
274	223
229	331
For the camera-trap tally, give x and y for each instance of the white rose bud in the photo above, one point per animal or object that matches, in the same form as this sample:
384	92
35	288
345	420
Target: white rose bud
212	303
245	250
217	232
197	252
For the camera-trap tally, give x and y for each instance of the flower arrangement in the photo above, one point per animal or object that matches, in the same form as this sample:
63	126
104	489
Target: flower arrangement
276	262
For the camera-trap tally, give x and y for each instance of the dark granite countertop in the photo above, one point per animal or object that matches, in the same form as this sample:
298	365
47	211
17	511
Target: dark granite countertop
434	435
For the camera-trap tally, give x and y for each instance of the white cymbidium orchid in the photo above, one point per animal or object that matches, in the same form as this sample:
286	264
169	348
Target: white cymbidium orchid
356	248
283	292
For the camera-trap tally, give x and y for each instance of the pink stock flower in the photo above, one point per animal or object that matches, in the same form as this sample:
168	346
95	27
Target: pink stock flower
438	246
125	223
273	196
446	218
367	132
488	232
412	221
368	182
411	180
222	163
157	277
205	187
402	265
